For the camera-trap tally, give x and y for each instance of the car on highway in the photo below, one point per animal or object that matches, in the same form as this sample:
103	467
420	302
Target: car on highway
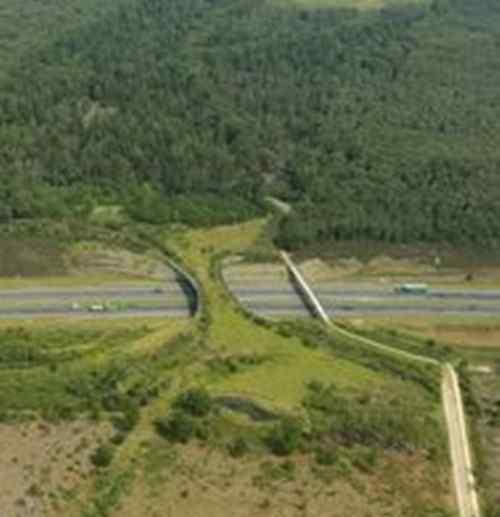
420	289
97	307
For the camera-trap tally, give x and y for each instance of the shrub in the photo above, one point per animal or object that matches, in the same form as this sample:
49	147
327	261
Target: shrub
238	447
316	386
196	402
285	437
289	467
178	427
325	456
202	432
129	419
103	456
118	438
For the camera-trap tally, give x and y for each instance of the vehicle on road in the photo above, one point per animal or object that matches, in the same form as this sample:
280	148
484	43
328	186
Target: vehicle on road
97	308
412	289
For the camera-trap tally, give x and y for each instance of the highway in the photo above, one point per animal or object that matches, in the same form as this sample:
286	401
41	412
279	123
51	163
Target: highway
89	293
34	314
168	300
273	300
345	300
375	293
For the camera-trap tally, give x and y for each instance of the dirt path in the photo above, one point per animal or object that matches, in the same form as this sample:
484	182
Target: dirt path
459	445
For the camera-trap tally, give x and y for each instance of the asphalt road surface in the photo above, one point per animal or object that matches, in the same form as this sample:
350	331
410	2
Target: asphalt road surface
27	315
170	300
117	302
345	300
88	293
376	293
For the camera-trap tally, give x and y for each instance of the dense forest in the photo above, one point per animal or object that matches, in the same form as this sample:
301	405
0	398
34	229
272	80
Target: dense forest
376	124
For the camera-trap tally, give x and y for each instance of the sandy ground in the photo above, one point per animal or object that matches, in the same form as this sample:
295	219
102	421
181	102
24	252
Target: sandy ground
207	483
40	464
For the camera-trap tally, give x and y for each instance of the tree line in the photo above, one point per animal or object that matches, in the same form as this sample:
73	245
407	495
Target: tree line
377	125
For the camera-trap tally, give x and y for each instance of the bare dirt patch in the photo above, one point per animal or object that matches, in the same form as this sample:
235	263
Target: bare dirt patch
255	275
93	258
452	330
201	482
317	270
42	464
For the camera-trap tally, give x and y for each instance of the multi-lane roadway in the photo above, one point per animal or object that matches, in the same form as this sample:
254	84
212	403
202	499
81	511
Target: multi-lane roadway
273	299
168	300
345	299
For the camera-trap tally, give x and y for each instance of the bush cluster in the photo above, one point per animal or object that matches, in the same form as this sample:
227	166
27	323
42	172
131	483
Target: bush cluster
188	417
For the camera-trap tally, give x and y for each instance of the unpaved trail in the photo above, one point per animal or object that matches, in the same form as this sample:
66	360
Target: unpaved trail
459	445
